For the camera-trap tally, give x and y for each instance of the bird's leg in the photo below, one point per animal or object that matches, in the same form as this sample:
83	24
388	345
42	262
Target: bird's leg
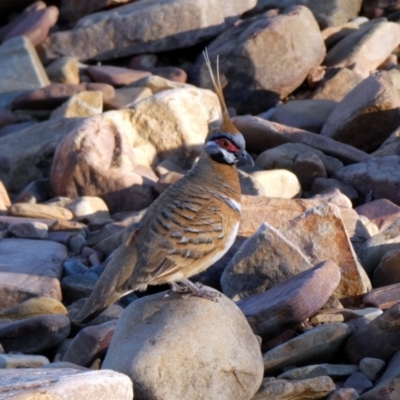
187	286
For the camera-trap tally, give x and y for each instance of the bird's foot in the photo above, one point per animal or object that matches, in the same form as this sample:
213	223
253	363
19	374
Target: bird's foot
193	289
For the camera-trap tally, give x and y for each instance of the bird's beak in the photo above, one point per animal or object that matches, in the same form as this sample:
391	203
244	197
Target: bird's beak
245	158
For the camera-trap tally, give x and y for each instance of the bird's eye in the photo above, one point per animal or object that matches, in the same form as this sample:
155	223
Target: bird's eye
225	143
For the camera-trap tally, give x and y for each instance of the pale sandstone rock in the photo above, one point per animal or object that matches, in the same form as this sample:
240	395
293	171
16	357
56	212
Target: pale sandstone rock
29	230
126	97
254	77
334	371
64	70
158	84
140	27
5	201
22	361
344	394
31	210
88	208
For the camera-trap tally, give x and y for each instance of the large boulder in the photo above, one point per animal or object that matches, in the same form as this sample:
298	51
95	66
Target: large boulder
174	348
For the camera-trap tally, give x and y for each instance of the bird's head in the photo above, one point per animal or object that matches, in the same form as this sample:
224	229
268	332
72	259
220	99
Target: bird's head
225	144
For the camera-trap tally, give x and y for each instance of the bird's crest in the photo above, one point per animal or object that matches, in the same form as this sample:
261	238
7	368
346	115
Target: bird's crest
226	123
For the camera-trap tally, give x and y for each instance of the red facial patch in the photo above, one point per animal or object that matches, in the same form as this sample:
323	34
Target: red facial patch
227	144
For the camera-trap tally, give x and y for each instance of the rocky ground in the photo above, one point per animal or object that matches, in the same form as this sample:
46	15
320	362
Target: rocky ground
104	104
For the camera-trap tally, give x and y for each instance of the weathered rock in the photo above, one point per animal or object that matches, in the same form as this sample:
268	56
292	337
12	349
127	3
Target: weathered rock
35	25
64	383
174	74
367	115
83	104
315	388
30	268
375	248
359	382
39	211
344	394
334	371
290	302
7	117
143	61
154	323
38	191
172	124
36	334
64	70
384	297
254	77
261	135
318	344
370	367
18	58
264	260
29	230
379	339
336	84
309	114
76	287
115	76
27	155
366	48
56	94
88	208
388	270
381	173
131	29
381	212
321	184
22	361
128	96
390	147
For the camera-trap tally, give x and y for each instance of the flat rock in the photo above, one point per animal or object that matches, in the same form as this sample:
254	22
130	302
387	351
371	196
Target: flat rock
128	96
39	211
384	297
256	79
366	48
367	115
381	212
22	361
274	311
320	343
378	339
359	382
18	58
314	388
131	29
255	268
115	76
64	383
209	370
321	235
35	334
344	394
334	371
381	173
30	268
261	135
64	70
90	343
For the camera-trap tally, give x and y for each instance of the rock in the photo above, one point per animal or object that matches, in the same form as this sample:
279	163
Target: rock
390	147
30	268
274	311
330	13
367	115
64	383
359	382
321	184
334	371
131	29
334	34
387	272
210	370
19	58
315	388
143	61
5	201
33	307
115	76
253	78
126	97
158	84
9	129
336	84
344	394
22	361
255	268
83	104
7	118
90	343
64	70
27	155
320	235
29	230
38	191
131	142
171	73
76	287
308	114
379	339
35	26
261	135
381	212
384	297
56	94
366	48
370	367
35	334
375	248
39	211
88	208
6	221
381	173
318	344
